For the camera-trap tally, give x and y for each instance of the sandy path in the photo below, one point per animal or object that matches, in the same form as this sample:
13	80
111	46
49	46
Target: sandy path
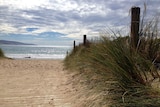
33	83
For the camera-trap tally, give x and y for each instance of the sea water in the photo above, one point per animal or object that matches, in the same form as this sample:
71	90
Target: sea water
35	51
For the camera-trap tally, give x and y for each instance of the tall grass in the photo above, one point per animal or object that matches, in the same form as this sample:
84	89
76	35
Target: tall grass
1	53
132	71
126	75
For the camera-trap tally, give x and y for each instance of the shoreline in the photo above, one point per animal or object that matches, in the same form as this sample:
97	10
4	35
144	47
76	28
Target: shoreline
36	52
37	59
29	58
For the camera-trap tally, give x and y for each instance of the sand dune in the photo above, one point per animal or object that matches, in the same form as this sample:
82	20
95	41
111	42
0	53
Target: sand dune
33	83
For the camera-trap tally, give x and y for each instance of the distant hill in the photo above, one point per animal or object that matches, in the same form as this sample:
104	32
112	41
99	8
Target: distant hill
5	42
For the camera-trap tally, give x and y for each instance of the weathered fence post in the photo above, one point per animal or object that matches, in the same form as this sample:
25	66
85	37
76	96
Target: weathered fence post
84	40
74	44
135	21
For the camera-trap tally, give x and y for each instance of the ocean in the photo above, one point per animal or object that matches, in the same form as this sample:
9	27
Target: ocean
35	51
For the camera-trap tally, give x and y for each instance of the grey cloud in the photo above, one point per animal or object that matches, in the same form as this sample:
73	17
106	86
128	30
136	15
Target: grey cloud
51	17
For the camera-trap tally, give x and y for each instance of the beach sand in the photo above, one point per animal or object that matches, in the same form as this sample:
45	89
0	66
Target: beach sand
34	83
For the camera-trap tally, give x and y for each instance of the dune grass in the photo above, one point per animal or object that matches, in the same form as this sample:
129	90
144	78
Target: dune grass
1	54
125	77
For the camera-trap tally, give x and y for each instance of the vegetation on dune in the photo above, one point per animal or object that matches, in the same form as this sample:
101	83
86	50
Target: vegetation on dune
124	76
1	54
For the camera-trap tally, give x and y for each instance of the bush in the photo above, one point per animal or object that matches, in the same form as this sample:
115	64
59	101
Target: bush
1	53
126	75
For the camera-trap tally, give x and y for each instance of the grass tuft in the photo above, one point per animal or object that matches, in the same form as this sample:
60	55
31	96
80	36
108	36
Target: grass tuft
125	77
1	54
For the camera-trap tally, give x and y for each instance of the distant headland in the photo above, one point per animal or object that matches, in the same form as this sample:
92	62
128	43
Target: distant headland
6	42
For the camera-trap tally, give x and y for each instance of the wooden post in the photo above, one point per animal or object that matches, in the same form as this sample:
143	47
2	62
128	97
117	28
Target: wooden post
84	40
74	44
135	21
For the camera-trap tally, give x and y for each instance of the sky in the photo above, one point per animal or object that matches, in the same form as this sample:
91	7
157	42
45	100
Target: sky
59	22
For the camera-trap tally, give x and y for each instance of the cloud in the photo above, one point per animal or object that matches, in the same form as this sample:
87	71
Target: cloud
24	4
72	18
4	27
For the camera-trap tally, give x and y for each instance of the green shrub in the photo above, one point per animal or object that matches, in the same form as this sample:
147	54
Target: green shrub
1	53
127	75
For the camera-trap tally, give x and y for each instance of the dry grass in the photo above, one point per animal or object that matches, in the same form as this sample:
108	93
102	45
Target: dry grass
1	53
116	75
